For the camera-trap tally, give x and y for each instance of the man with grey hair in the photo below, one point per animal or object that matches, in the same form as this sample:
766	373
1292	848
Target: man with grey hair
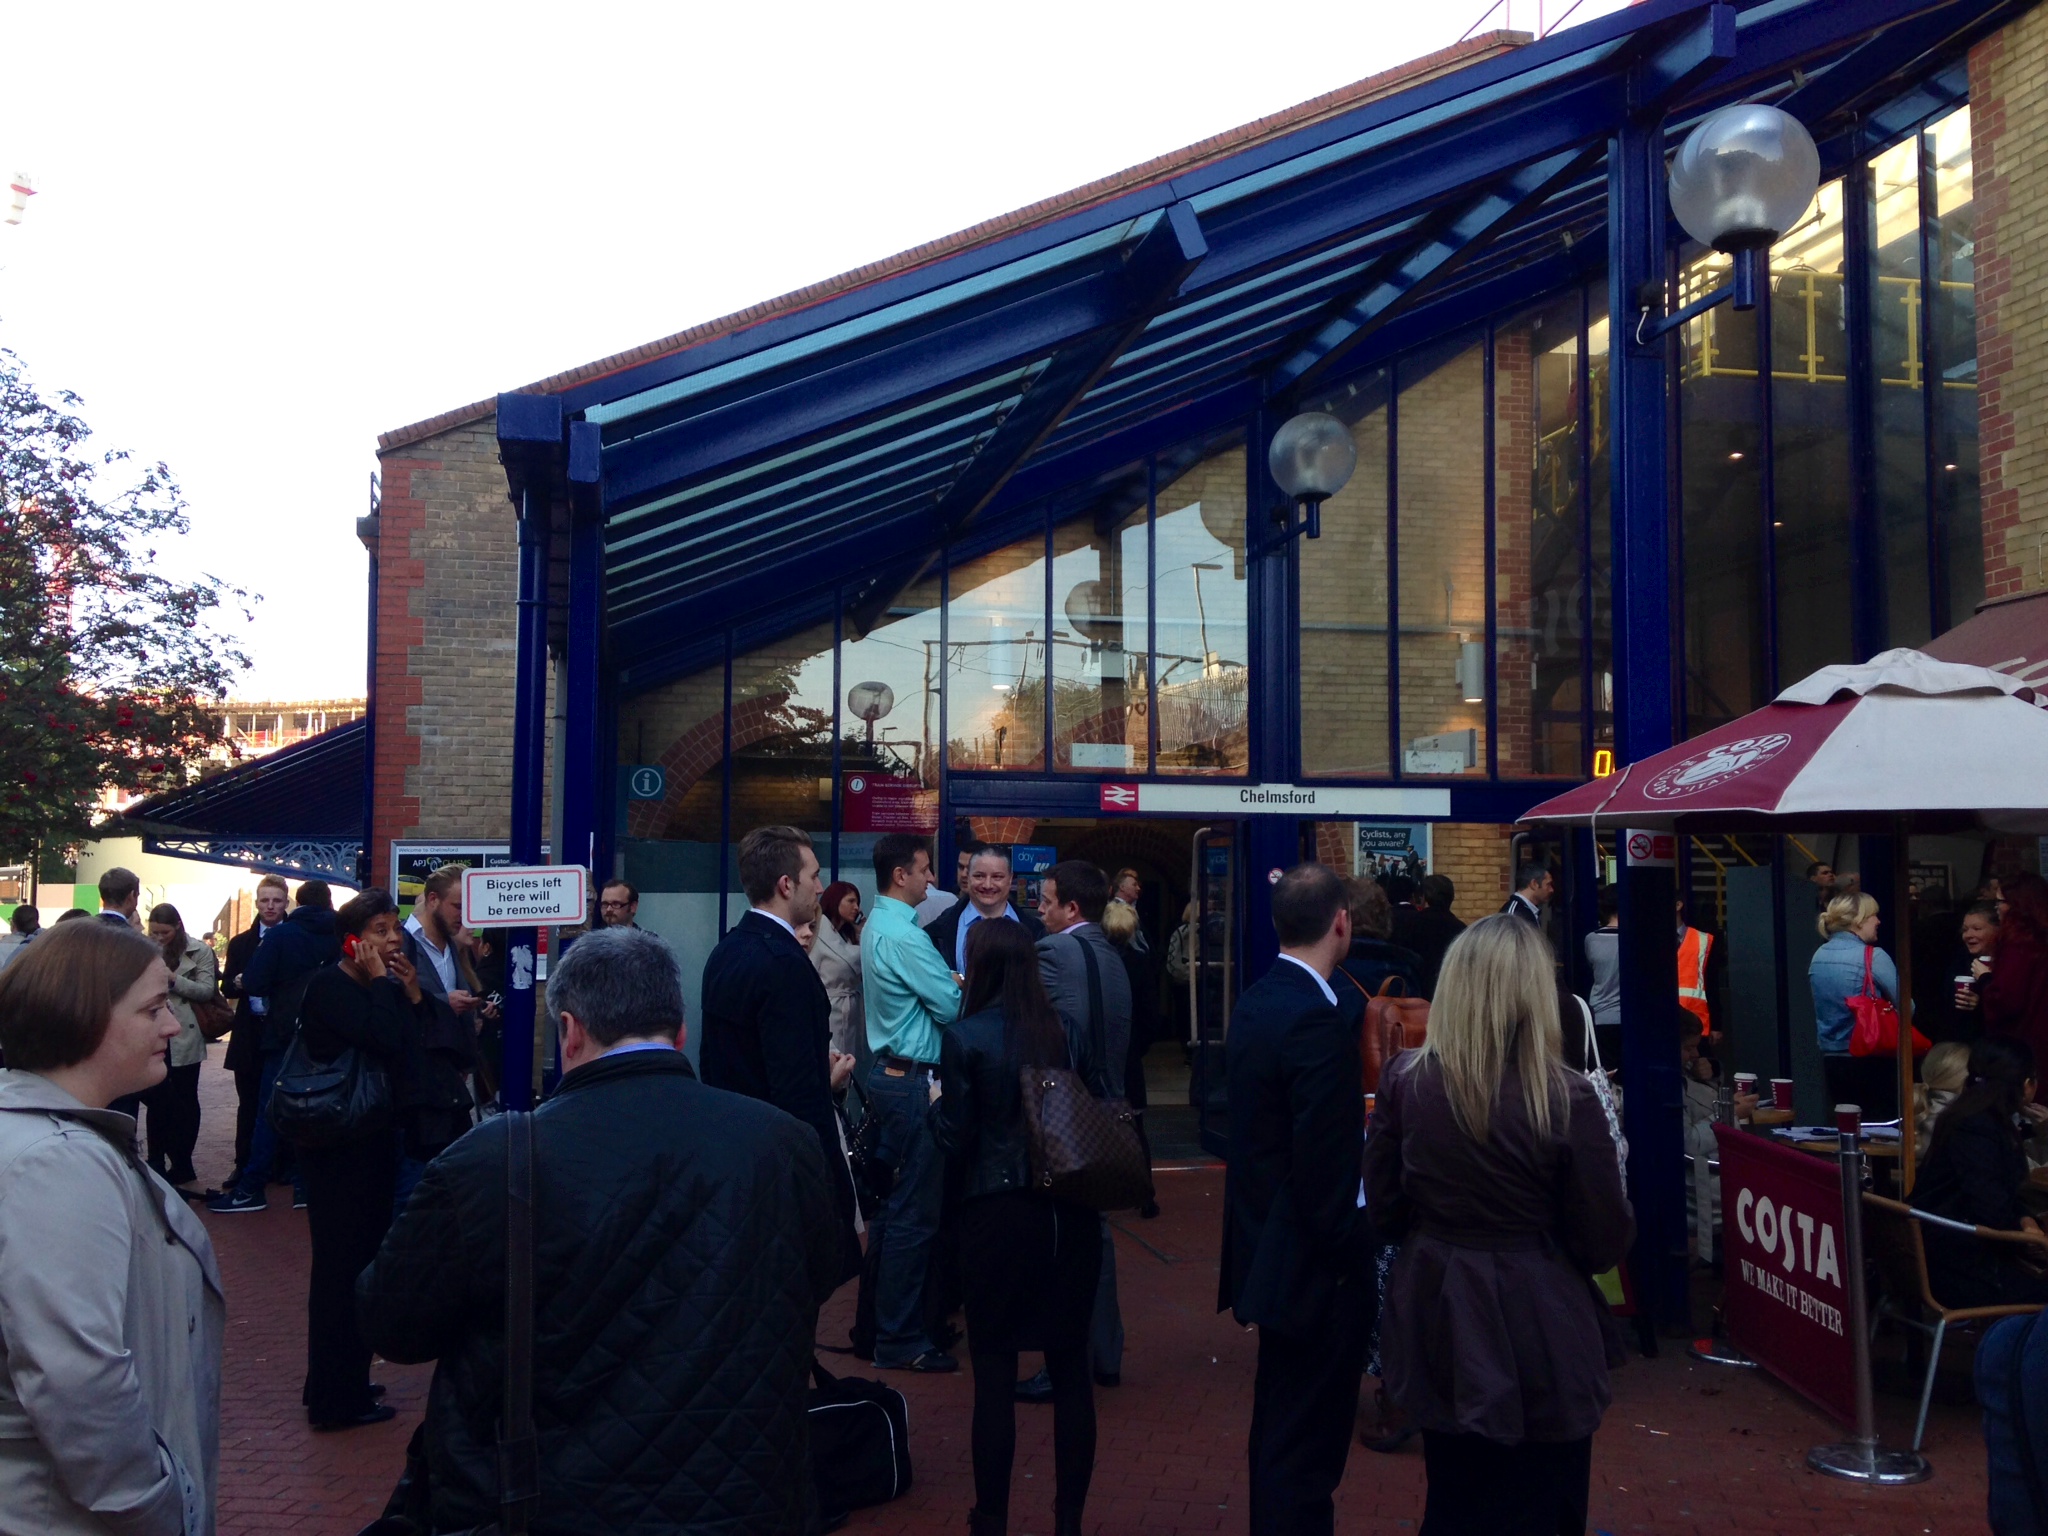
683	1239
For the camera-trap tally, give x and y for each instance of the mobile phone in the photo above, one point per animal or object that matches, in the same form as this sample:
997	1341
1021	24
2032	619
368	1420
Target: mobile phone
350	943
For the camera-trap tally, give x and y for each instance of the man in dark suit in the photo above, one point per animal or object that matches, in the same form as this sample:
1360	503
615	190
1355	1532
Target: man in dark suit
1296	1260
1534	886
767	1020
245	1040
120	893
1427	925
988	899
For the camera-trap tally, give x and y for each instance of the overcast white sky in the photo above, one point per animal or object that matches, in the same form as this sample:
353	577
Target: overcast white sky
264	234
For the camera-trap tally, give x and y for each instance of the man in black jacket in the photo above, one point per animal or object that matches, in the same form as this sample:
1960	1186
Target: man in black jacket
1296	1245
767	1020
277	973
987	898
683	1239
245	1041
1428	926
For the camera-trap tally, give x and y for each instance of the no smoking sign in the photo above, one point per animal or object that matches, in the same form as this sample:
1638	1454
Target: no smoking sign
1651	850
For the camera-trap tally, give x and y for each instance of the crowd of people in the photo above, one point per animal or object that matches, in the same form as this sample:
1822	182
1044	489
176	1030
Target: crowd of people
857	1114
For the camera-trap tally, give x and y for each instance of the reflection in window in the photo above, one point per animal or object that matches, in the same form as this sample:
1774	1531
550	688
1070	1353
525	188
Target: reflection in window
1099	643
1343	680
889	694
1954	362
1810	442
995	659
1901	382
1203	670
680	728
1600	487
1539	479
1441	526
782	734
1727	659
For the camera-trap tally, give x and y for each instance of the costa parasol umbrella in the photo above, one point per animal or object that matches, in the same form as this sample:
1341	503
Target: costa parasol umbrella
1898	744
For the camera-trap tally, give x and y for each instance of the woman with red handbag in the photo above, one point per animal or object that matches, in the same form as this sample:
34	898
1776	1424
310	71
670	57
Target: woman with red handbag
1846	969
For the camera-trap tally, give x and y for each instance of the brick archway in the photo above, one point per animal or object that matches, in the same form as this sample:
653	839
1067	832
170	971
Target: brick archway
699	751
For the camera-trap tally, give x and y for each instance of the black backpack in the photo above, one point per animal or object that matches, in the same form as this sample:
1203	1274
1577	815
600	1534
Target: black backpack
860	1442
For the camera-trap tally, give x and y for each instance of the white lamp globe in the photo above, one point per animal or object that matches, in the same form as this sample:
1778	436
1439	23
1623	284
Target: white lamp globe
1312	456
1743	177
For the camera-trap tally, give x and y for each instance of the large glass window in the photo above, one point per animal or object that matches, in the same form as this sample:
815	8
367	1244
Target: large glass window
1954	363
1202	640
1540	475
1343	681
889	692
1902	491
781	745
1440	527
1100	638
1810	442
1600	521
1727	659
995	659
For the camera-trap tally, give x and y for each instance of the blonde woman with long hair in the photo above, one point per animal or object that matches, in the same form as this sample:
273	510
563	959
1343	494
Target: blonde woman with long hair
1837	972
1491	1163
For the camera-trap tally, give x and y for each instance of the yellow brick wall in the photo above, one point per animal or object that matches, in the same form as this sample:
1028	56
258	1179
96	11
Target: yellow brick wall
2009	151
1344	620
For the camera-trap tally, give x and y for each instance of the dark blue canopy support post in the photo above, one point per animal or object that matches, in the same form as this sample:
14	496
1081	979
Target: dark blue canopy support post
529	443
1644	714
583	673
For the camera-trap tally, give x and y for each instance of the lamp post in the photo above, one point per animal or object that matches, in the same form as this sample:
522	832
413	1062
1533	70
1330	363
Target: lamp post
1312	457
870	702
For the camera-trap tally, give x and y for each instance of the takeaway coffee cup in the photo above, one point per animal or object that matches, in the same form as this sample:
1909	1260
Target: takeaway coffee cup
1849	1119
1965	986
1781	1093
1745	1082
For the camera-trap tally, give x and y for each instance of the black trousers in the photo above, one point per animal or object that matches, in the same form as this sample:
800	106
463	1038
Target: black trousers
1304	1407
1537	1488
248	1094
173	1106
349	1191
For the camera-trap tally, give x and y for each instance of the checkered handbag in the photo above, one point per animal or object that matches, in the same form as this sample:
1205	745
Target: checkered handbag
1083	1149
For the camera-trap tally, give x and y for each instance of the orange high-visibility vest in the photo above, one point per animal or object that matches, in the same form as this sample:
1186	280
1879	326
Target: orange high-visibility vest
1693	950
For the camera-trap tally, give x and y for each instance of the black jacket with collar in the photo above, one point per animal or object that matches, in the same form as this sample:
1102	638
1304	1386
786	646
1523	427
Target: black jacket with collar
245	1043
1295	1242
683	1241
277	972
945	929
980	1120
768	1034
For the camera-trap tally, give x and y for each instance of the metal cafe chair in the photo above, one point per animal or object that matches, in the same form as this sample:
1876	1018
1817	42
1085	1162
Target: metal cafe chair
1892	1237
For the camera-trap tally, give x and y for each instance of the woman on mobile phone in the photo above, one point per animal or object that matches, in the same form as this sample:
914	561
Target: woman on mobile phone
372	1002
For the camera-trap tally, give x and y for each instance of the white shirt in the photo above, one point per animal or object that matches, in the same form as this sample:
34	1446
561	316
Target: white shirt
1328	996
442	960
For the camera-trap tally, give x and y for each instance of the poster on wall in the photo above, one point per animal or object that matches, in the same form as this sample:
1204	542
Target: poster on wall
1392	848
885	802
411	863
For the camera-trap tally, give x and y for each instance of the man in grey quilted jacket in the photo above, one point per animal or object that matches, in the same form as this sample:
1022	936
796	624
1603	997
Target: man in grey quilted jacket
684	1238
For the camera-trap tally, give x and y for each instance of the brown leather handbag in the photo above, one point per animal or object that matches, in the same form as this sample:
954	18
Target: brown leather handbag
1394	1022
1083	1148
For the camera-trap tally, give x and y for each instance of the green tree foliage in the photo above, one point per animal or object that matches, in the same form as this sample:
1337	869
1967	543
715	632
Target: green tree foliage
106	663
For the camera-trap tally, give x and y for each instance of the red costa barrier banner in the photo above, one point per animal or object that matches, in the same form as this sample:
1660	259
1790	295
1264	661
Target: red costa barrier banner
1783	1299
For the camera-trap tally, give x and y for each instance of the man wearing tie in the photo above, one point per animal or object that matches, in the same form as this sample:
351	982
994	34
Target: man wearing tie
767	1020
1297	1247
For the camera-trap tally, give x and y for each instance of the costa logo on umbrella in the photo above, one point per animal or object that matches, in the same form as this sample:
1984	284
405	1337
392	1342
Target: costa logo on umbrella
1705	769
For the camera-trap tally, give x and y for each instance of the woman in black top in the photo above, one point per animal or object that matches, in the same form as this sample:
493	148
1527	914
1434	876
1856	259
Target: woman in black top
1031	1261
371	1001
1974	1171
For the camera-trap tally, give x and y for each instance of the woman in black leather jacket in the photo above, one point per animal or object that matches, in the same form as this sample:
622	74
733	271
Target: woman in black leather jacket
1030	1261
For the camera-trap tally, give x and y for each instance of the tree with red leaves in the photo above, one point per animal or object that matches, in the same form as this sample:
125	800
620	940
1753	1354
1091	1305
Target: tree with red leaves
106	662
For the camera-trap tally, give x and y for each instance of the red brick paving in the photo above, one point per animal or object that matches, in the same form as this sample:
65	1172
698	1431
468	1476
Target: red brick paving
1686	1448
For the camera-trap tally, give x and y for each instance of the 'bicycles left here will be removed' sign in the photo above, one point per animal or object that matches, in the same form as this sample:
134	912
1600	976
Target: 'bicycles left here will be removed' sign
539	895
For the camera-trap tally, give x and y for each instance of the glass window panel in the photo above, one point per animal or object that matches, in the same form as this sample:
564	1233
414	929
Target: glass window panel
1901	425
1099	642
1599	489
1538	482
995	659
1343	679
1810	441
1203	662
782	735
1441	521
1955	363
889	704
1721	488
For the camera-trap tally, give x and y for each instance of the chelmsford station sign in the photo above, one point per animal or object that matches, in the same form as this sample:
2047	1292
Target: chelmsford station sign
1147	799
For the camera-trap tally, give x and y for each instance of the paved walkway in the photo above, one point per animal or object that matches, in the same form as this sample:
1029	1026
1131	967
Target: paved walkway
1686	1448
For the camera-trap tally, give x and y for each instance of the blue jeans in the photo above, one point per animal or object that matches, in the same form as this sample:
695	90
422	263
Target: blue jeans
263	1140
909	1218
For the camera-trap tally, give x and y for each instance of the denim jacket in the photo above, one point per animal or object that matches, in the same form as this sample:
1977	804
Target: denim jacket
1836	975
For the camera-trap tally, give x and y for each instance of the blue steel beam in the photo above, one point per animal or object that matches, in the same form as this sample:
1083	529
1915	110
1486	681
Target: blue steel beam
1871	68
583	664
1402	282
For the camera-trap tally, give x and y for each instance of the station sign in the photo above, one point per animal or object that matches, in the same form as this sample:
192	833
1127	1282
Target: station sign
1146	799
534	895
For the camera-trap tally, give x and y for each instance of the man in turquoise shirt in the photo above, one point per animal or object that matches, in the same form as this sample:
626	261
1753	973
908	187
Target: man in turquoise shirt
911	995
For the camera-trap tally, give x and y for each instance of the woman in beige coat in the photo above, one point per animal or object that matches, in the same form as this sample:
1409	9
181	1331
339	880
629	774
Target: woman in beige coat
174	1105
110	1302
835	955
